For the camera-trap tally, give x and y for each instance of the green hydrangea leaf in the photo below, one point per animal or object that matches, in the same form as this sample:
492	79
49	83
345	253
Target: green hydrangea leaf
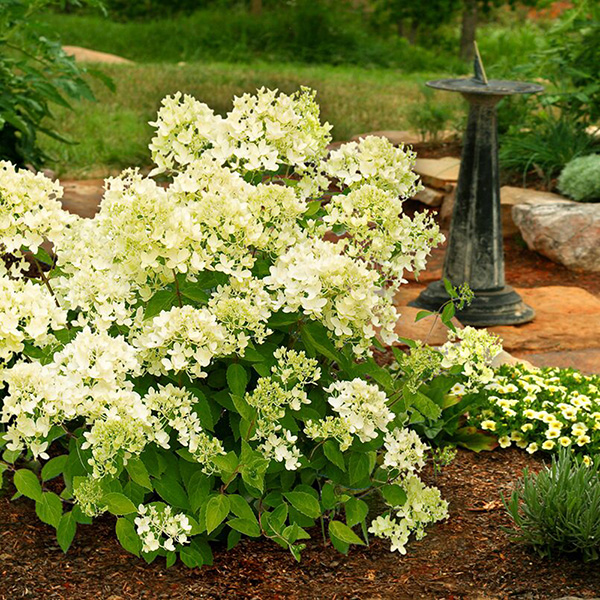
217	510
342	532
128	537
304	503
49	509
28	484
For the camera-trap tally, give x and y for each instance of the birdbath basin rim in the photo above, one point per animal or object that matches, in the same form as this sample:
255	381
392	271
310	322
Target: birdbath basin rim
494	87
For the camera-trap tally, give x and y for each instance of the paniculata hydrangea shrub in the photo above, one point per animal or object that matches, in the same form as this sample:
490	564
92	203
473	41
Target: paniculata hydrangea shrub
197	358
541	410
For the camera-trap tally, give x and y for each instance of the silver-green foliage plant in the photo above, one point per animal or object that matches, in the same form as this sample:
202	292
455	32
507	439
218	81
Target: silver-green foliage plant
557	511
580	179
197	359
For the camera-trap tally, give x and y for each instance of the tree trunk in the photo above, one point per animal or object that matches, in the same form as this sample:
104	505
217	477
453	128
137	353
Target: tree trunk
400	28
256	7
412	32
468	30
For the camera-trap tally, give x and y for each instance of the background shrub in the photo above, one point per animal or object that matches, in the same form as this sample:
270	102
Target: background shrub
580	179
430	116
35	76
545	142
303	32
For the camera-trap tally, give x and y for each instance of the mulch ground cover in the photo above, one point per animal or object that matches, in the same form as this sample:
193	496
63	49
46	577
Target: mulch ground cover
469	556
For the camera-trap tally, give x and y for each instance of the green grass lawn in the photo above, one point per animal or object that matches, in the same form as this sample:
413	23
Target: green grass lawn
113	133
227	53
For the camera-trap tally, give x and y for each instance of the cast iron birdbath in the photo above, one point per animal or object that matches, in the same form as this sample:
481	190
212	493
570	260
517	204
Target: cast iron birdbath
475	253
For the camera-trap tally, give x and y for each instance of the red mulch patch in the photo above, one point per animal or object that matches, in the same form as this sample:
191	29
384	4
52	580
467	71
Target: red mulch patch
466	557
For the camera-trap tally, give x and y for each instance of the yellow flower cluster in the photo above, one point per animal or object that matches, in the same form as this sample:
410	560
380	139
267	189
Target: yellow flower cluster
542	410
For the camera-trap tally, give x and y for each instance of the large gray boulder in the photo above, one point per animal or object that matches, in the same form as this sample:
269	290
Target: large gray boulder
567	233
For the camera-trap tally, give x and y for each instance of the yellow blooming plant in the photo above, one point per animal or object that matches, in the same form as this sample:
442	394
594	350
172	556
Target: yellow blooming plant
197	358
541	410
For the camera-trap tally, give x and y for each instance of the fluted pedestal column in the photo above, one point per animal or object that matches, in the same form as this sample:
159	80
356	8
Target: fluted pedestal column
475	253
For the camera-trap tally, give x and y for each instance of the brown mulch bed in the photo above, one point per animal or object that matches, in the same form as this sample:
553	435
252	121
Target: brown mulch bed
523	267
438	149
466	557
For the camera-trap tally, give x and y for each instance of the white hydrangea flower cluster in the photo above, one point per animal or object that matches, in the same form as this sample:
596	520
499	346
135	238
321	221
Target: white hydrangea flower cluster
261	133
30	209
174	407
114	435
185	129
215	228
98	360
362	406
421	364
335	289
473	349
295	367
379	233
139	219
404	451
184	339
243	308
404	458
278	208
208	219
88	380
28	313
160	527
37	399
268	129
331	427
91	281
362	409
376	161
88	493
271	398
424	505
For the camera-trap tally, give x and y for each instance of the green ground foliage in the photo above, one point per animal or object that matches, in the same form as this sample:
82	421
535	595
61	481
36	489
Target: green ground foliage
114	133
366	74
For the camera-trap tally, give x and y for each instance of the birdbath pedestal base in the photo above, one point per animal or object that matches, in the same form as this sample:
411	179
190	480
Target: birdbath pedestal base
497	307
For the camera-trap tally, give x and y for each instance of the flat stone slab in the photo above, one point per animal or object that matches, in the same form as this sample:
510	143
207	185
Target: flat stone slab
566	233
429	197
567	318
587	360
512	196
441	173
82	197
94	56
